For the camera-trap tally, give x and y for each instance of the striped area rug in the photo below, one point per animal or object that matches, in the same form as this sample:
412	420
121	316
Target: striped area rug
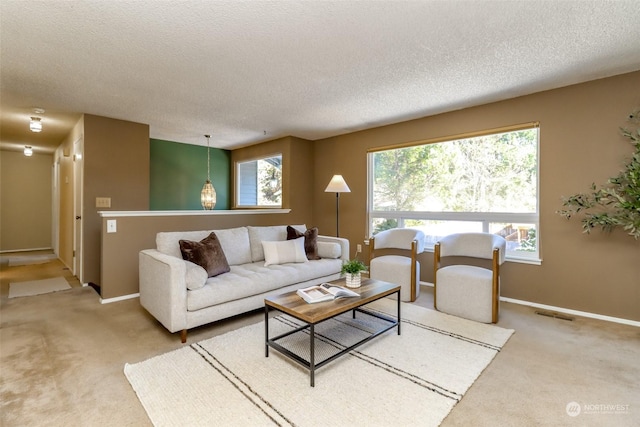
415	378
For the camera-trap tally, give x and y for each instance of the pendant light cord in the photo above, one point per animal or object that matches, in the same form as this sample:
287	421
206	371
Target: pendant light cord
208	158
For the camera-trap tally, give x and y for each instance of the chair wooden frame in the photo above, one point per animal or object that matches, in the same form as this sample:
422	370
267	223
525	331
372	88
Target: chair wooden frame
495	282
414	256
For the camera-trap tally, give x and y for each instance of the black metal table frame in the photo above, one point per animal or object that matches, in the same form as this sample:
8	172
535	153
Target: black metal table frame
311	365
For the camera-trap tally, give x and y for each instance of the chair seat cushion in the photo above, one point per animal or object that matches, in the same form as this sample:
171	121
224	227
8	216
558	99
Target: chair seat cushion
465	272
395	269
465	291
391	261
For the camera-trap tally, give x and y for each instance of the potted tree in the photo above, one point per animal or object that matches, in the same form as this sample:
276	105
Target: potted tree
351	270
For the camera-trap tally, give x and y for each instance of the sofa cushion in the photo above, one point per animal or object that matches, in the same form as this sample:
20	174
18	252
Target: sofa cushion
235	244
310	241
195	276
268	233
255	278
206	253
283	252
167	242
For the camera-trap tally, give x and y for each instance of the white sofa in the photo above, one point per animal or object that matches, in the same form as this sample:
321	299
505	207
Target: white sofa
171	288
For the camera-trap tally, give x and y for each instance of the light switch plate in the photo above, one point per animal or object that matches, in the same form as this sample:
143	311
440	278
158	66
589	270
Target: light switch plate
103	202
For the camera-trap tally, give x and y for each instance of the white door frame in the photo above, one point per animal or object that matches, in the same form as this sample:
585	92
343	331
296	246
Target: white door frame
55	217
78	174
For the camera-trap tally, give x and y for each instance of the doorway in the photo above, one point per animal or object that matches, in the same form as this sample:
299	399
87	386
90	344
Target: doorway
78	174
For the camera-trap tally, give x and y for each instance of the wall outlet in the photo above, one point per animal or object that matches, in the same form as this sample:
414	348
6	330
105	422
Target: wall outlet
111	226
358	247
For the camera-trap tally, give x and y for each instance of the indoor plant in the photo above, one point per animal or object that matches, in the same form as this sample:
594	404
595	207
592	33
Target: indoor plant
352	269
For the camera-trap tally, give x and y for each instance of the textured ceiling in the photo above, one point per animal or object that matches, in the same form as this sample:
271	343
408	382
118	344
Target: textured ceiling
313	69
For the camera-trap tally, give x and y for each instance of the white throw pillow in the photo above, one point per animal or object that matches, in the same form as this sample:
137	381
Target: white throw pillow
329	250
195	276
285	251
273	233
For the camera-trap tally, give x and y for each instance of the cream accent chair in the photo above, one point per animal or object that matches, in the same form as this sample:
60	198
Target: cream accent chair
398	269
464	290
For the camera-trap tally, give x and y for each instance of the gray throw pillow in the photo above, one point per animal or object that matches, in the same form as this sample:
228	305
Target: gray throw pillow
207	253
310	241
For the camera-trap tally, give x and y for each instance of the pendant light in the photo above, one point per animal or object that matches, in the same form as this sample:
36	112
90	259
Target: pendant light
208	193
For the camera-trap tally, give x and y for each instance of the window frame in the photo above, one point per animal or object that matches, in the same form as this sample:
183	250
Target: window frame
486	218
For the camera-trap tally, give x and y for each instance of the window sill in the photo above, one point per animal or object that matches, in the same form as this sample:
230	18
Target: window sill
115	214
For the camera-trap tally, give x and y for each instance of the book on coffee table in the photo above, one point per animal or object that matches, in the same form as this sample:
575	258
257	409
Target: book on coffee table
325	292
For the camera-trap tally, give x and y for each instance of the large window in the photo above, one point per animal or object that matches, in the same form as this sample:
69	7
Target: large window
485	183
259	182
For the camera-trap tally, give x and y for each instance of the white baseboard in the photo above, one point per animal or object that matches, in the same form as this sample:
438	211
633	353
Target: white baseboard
120	298
564	310
7	251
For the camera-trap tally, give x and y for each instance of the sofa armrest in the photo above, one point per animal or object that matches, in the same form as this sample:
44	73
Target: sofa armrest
163	290
344	245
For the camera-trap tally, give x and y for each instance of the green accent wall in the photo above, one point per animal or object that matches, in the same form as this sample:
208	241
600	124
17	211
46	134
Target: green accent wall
178	172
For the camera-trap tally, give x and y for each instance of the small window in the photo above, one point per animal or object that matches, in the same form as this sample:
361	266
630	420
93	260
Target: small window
259	182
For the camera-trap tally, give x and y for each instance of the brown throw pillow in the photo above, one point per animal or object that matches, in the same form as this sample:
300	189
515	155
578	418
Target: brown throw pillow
310	241
207	253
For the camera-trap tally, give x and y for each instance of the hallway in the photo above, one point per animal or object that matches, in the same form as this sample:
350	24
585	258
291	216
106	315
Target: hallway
34	269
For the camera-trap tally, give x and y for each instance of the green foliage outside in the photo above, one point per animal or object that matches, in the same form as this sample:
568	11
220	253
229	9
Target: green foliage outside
617	203
530	243
491	173
270	182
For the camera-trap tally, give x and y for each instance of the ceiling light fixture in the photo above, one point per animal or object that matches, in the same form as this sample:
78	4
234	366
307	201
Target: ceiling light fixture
28	151
35	125
208	193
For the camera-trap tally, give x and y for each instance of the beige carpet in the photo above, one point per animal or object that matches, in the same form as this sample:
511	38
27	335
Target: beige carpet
418	376
38	287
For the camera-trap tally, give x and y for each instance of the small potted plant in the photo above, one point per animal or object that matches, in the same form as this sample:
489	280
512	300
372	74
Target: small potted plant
352	269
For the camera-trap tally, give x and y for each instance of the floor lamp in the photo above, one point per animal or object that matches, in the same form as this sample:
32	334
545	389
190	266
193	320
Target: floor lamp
337	185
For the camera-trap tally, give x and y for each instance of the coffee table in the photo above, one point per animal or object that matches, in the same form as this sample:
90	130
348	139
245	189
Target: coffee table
312	314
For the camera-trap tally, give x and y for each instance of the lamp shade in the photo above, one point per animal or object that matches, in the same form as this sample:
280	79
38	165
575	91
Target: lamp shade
337	185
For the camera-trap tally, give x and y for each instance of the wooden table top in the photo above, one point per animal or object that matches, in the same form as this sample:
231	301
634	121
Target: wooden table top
292	304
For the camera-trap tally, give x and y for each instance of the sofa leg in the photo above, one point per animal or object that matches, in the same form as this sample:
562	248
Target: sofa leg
183	336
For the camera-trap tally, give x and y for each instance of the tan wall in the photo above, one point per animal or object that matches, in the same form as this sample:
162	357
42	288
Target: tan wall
120	250
116	165
25	201
579	144
297	164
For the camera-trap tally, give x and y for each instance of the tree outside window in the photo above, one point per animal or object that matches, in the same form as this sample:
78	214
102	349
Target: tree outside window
485	183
